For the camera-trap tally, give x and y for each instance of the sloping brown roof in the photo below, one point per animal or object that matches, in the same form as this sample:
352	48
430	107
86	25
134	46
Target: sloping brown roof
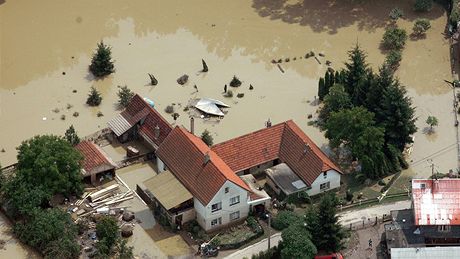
184	155
93	157
284	141
138	109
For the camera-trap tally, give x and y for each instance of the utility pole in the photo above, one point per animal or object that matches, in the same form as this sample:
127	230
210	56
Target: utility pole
269	229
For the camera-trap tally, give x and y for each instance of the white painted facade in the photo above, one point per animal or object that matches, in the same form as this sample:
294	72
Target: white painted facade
206	216
332	177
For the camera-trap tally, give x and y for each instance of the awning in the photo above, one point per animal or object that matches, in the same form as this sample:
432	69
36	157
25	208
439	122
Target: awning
167	190
119	125
210	106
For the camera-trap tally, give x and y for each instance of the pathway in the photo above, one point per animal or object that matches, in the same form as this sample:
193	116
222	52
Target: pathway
354	216
255	248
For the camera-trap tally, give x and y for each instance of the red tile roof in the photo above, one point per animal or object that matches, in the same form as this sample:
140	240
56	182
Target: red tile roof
436	202
138	109
284	141
93	157
184	155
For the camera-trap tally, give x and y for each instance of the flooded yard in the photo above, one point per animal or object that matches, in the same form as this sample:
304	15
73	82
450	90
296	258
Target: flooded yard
45	58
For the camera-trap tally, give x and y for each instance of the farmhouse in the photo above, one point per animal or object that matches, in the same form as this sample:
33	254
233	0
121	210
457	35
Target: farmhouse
216	185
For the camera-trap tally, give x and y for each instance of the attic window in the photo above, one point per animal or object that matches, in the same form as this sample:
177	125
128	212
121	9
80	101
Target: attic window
325	174
422	185
226	189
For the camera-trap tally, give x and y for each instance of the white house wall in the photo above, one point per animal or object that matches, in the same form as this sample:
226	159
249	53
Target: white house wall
332	176
205	215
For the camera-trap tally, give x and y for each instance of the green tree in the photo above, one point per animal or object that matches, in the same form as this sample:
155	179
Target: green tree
394	38
24	198
373	164
52	163
94	97
337	99
107	232
356	75
338	78
284	219
331	233
124	95
207	138
50	231
124	251
421	25
321	89
101	63
297	243
71	136
397	116
423	5
432	121
393	58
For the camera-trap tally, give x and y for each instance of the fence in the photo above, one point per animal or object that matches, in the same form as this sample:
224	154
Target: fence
369	222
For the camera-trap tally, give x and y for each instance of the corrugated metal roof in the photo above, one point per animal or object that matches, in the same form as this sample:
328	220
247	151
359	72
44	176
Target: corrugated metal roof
167	190
436	202
425	252
119	125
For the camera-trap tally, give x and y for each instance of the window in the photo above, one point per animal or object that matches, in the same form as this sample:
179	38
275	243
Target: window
325	186
325	175
226	189
235	215
443	228
234	200
216	222
216	207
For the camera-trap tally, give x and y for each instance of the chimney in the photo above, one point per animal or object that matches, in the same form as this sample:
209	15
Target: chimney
206	158
192	125
268	123
156	132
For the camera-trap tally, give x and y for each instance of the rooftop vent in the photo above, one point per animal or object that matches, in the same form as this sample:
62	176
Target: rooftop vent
206	158
268	123
306	148
156	132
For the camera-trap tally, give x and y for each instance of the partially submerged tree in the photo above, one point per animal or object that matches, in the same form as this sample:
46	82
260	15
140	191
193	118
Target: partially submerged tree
235	82
337	99
205	66
207	138
71	136
321	89
94	97
101	63
124	95
394	38
421	26
393	58
432	121
153	80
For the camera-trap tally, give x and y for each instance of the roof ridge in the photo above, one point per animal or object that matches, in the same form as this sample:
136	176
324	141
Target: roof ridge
154	111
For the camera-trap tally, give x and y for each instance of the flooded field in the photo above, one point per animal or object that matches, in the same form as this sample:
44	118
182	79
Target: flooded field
45	57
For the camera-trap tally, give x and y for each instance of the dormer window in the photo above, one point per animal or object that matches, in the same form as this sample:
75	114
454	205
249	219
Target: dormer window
325	175
226	189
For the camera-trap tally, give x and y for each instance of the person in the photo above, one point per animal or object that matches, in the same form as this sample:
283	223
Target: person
225	88
370	243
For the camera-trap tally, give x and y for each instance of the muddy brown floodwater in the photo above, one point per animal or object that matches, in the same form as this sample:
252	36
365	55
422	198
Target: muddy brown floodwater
45	49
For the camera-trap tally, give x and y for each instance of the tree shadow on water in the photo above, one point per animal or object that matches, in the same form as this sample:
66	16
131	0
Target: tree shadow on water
331	15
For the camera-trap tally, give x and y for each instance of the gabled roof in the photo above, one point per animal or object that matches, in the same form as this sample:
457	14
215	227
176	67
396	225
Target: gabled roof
184	155
136	110
436	202
93	157
284	141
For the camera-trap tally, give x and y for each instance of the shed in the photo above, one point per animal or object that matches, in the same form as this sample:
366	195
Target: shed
95	161
285	180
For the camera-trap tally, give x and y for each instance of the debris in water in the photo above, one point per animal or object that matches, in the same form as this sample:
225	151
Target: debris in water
55	110
3	150
73	57
183	79
321	54
235	82
240	95
328	62
74	90
280	60
251	87
44	118
281	69
69	106
63	117
99	114
273	61
76	114
205	66
286	60
153	80
294	58
63	73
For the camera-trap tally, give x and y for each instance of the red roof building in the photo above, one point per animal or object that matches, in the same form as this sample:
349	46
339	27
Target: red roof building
436	202
95	161
284	141
196	166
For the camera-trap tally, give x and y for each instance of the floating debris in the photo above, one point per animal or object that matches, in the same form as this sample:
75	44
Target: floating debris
183	79
153	80
251	87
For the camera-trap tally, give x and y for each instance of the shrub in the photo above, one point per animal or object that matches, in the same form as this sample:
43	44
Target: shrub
253	224
94	97
423	5
207	138
235	82
396	13
169	109
421	25
124	95
284	219
240	95
393	58
101	63
71	136
107	229
381	182
394	38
